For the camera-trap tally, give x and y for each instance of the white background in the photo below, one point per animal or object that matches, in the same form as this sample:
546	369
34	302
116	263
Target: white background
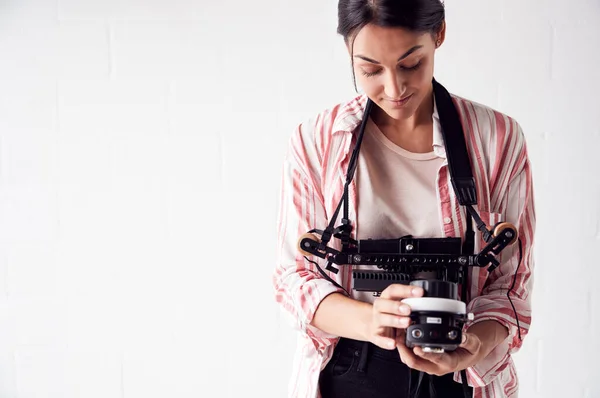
140	153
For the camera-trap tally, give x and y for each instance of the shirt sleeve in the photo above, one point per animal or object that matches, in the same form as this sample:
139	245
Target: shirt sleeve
514	275
299	287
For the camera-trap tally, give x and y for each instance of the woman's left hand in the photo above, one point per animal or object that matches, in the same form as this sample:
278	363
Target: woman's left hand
468	353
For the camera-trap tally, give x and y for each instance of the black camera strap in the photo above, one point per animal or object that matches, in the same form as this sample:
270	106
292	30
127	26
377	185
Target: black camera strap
346	227
456	147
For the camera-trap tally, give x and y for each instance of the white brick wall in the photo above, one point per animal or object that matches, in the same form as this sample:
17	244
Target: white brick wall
140	152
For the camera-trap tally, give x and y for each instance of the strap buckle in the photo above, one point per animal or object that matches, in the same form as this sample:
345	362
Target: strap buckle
465	190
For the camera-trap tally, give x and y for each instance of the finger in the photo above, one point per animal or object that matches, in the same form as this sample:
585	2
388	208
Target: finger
393	321
406	354
391	306
387	343
440	359
413	361
389	332
400	291
443	363
470	343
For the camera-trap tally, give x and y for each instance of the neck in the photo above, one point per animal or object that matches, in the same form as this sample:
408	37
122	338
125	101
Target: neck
414	134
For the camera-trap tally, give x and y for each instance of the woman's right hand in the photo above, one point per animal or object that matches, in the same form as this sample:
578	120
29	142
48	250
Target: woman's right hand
389	314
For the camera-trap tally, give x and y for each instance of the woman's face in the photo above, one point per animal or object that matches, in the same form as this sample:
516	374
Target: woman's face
394	67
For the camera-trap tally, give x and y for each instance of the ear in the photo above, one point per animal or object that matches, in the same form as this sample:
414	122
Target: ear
441	36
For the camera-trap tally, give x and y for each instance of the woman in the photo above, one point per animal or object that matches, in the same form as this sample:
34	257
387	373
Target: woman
351	344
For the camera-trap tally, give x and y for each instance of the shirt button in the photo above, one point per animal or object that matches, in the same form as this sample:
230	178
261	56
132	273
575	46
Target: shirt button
447	220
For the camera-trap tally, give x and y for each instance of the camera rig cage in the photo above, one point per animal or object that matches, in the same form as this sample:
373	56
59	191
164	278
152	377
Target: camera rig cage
438	317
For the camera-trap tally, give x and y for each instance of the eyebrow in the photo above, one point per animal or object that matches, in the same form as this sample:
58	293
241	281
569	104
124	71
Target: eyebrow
406	54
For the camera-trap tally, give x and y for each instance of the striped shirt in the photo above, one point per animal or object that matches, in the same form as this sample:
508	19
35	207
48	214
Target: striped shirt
313	178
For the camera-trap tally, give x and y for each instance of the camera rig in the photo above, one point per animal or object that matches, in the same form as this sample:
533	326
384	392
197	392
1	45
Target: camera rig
400	258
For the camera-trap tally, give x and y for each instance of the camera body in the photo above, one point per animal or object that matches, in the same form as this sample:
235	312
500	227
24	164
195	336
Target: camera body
437	318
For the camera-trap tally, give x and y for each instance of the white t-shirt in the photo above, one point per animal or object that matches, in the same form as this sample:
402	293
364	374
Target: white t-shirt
396	192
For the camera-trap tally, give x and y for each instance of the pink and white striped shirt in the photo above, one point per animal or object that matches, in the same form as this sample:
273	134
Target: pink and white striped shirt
314	173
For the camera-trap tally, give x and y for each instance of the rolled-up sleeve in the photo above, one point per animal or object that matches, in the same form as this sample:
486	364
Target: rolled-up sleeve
514	275
299	287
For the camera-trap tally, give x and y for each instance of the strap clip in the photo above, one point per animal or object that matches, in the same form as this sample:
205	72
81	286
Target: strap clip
465	190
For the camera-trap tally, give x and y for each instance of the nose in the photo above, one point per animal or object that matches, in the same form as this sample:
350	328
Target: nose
394	86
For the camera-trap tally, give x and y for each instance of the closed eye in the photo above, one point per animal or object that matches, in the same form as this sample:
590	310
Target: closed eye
369	74
405	68
414	67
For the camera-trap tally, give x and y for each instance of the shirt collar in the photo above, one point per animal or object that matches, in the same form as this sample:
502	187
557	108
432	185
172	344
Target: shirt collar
438	139
350	117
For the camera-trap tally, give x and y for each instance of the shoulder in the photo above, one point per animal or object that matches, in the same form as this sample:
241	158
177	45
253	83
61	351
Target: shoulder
494	138
491	126
329	127
340	117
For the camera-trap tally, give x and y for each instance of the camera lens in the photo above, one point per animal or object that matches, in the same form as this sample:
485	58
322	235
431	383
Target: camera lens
417	333
452	335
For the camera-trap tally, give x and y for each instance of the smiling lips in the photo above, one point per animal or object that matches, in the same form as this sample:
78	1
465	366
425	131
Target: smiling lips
400	102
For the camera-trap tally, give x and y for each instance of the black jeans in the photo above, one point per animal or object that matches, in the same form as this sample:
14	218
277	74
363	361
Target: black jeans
363	370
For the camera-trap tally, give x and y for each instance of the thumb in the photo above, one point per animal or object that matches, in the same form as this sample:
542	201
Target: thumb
400	336
470	342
